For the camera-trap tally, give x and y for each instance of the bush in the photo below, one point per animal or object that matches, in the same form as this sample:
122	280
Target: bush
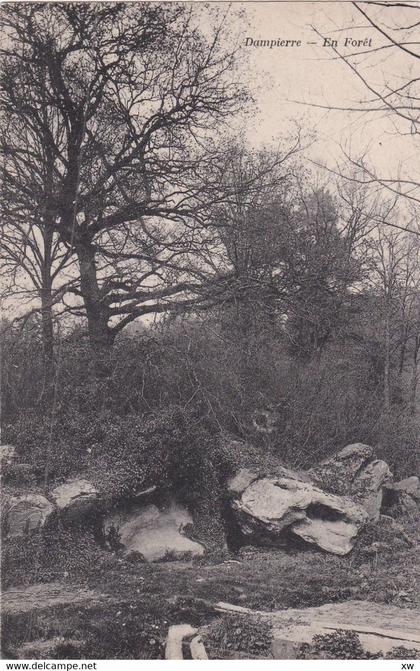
241	634
400	652
50	554
344	644
215	371
340	644
174	450
57	444
102	631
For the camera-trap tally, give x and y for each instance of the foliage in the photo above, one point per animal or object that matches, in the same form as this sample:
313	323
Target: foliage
340	644
127	630
400	652
345	644
221	378
238	633
128	633
46	555
386	535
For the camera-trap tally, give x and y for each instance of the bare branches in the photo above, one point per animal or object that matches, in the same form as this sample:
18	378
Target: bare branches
116	103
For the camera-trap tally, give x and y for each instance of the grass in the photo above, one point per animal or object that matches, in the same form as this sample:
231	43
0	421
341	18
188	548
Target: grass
144	599
147	598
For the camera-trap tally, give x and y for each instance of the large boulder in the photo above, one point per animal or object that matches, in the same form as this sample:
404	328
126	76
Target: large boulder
336	473
367	487
75	497
151	531
25	513
268	506
246	476
354	471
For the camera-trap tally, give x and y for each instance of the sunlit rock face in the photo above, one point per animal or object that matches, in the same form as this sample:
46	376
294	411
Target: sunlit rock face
75	497
152	531
267	508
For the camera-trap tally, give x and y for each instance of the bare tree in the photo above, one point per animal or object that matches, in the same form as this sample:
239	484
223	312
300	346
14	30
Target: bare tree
133	94
394	278
396	25
33	259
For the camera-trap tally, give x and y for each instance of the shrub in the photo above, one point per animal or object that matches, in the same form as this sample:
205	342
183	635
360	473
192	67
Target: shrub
400	652
340	644
49	554
173	450
57	443
344	644
239	633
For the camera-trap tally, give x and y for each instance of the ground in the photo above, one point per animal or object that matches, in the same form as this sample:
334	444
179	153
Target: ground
136	602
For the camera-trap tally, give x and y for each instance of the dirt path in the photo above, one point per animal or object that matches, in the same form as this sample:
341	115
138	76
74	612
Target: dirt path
47	595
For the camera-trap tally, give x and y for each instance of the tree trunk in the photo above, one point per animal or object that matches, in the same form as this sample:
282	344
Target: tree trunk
47	326
47	338
100	335
403	351
414	376
387	365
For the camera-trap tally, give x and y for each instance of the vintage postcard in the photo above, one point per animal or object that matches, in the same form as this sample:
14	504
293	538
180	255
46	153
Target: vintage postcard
210	332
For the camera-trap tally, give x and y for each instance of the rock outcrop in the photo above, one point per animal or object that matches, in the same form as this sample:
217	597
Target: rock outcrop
367	487
245	477
404	495
326	506
152	532
26	513
354	471
75	497
337	472
266	507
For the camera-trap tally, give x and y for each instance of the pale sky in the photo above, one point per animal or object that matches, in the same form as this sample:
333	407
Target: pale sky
314	74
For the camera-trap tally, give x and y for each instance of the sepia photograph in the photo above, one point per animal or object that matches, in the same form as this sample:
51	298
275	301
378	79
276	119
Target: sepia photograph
209	332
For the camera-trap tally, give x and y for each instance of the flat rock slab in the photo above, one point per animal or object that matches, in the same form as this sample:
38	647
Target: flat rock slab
380	627
19	600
